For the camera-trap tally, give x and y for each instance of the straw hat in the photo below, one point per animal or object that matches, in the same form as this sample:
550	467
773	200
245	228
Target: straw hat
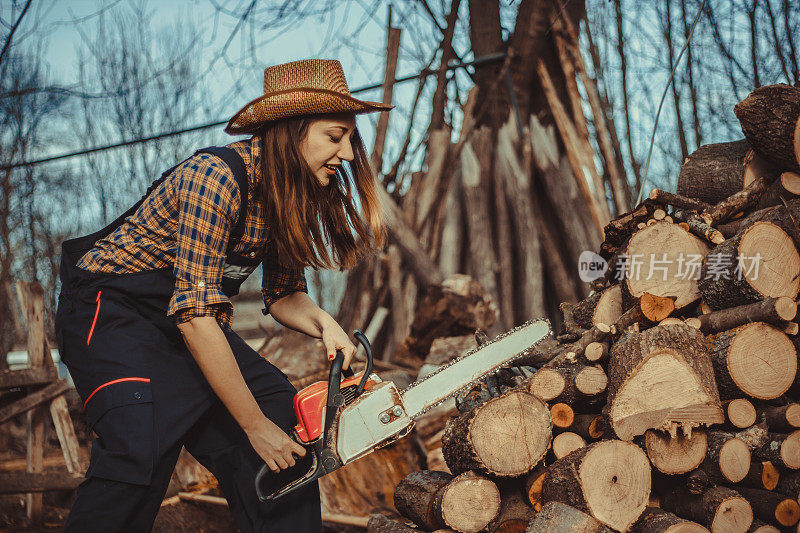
307	87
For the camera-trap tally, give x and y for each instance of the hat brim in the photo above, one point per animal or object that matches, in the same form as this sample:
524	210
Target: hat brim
297	102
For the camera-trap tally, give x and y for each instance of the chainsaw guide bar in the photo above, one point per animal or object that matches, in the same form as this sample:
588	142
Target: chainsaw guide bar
461	373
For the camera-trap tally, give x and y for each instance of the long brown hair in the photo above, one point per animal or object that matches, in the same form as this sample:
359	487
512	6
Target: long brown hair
314	225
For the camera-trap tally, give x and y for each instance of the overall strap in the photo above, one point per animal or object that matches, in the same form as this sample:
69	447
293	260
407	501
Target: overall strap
236	164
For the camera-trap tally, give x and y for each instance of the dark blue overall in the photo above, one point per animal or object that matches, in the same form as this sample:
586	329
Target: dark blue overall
145	397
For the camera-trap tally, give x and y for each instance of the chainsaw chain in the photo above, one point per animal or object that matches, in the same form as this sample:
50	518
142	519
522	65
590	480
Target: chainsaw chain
487	374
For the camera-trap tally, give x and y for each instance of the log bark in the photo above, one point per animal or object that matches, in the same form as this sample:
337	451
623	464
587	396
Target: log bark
676	200
677	455
603	307
515	512
557	517
780	419
789	484
772	508
781	450
756	359
379	523
774	311
762	475
769	117
737	202
715	171
435	500
661	379
593	480
573	384
759	262
487	439
720	509
727	459
655	520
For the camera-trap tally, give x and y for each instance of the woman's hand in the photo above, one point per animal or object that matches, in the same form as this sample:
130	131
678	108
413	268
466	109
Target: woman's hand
334	338
273	445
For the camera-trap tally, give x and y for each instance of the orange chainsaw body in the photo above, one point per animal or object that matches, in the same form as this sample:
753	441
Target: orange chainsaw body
309	405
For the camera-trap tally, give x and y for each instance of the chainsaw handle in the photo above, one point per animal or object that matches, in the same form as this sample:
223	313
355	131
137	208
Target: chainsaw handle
324	460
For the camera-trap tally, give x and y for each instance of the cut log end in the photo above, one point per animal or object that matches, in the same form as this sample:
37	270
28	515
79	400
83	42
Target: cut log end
787	512
777	361
562	415
790	451
566	443
777	257
469	503
734	514
791	182
591	380
734	460
740	413
675	455
546	384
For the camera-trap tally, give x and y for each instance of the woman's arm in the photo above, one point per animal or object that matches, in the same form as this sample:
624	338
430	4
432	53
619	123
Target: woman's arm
213	354
300	313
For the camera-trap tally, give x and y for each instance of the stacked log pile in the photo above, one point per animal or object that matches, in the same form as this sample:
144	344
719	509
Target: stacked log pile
670	399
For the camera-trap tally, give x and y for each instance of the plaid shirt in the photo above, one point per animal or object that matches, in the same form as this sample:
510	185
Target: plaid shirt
185	223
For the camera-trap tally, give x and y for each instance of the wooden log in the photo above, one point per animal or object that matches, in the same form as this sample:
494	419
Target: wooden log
774	311
756	359
33	400
556	517
655	520
515	512
677	200
783	216
12	379
781	450
487	439
739	413
699	227
771	507
619	230
370	481
379	523
762	475
65	432
661	378
715	171
435	500
590	427
652	267
457	307
19	482
780	419
573	384
720	509
737	202
596	352
603	307
727	459
759	262
762	527
562	415
769	117
677	455
609	480
789	484
566	443
532	485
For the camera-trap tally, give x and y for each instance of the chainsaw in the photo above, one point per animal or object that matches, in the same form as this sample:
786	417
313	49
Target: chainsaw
351	415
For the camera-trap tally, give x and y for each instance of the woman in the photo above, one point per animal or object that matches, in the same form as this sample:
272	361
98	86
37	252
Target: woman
143	320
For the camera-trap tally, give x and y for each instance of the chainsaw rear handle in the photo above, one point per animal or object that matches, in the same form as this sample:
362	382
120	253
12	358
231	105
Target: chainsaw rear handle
323	459
321	462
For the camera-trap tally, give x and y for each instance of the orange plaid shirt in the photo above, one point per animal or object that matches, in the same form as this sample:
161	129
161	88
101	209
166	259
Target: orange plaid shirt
184	223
